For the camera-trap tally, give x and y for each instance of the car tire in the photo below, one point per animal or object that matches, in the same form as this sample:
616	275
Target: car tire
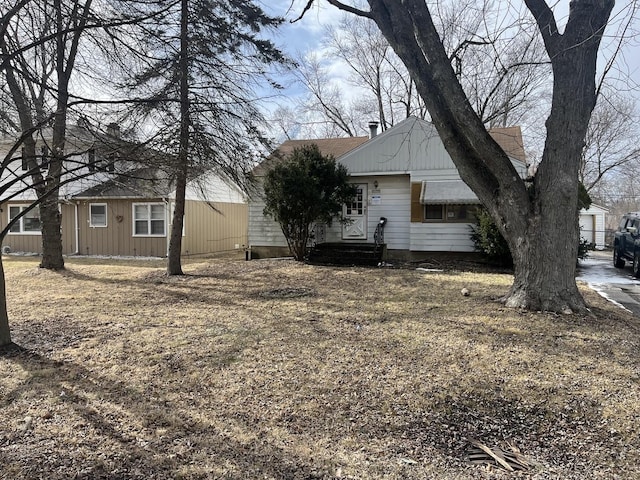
617	261
636	265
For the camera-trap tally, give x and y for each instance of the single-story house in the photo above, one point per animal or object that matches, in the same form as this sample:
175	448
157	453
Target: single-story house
592	225
124	208
405	175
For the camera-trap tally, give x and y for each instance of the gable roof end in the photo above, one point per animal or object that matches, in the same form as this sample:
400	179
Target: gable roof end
510	139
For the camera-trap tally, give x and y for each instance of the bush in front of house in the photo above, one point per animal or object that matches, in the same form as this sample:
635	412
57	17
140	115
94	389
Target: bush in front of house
489	241
305	188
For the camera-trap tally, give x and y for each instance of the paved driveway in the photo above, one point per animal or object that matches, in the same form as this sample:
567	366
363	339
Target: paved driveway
615	284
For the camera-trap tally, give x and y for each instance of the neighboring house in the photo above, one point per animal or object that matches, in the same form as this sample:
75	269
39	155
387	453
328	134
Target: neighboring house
592	226
403	174
123	205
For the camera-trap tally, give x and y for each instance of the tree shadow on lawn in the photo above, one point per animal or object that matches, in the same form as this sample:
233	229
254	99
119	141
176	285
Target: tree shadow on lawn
175	289
113	449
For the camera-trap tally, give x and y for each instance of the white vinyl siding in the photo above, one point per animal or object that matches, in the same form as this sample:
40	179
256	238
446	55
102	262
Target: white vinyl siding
392	202
441	237
149	220
263	230
98	215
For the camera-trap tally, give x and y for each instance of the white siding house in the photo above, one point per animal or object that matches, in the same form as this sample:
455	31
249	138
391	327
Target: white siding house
406	176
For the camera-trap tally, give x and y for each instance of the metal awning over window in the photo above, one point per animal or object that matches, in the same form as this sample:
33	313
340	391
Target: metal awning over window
446	191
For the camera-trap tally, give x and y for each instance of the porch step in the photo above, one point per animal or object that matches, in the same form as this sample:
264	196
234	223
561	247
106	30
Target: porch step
365	254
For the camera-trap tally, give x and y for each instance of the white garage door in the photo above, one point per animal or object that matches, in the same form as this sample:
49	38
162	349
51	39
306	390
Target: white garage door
586	228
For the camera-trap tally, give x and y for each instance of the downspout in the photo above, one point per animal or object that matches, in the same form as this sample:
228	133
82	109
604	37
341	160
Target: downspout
77	252
167	216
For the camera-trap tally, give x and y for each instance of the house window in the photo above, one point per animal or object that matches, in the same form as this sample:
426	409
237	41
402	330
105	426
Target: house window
464	213
97	214
28	224
91	160
102	164
41	160
434	212
149	219
356	206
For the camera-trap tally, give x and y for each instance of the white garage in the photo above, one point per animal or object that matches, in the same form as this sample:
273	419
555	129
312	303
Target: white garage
592	225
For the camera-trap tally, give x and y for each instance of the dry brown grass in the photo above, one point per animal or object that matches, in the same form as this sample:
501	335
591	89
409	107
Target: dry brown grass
368	374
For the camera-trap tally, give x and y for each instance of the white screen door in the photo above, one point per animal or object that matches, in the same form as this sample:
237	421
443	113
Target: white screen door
356	212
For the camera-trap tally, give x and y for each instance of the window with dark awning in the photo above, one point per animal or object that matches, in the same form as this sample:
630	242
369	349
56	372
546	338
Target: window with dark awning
446	191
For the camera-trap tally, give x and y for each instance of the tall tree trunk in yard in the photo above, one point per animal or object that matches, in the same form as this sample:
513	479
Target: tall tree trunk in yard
174	265
5	332
66	52
46	189
545	267
50	216
538	218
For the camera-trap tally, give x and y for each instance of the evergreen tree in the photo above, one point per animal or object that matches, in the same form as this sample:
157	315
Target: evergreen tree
202	67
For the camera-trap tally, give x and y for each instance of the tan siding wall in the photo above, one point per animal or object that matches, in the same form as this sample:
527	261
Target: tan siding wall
210	231
68	228
117	237
33	243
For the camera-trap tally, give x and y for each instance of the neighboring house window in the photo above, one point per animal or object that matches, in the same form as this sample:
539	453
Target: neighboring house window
91	160
465	213
149	219
28	224
98	215
102	164
41	160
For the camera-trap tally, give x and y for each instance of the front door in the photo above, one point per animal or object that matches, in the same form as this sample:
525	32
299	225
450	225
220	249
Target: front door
356	214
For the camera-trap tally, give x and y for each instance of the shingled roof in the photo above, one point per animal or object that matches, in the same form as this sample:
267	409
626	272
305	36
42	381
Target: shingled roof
147	182
509	138
335	147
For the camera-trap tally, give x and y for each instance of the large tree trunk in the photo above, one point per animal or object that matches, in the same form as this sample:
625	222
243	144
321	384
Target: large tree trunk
51	220
28	111
539	220
544	265
50	216
5	332
545	260
174	265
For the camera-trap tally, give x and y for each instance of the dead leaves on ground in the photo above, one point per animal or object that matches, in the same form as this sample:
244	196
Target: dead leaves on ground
273	369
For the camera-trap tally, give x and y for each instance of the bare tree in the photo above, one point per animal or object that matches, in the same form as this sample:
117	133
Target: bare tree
503	72
38	80
375	68
527	212
325	104
611	140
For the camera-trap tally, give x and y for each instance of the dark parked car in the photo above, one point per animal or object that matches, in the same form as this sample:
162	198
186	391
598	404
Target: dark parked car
626	242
